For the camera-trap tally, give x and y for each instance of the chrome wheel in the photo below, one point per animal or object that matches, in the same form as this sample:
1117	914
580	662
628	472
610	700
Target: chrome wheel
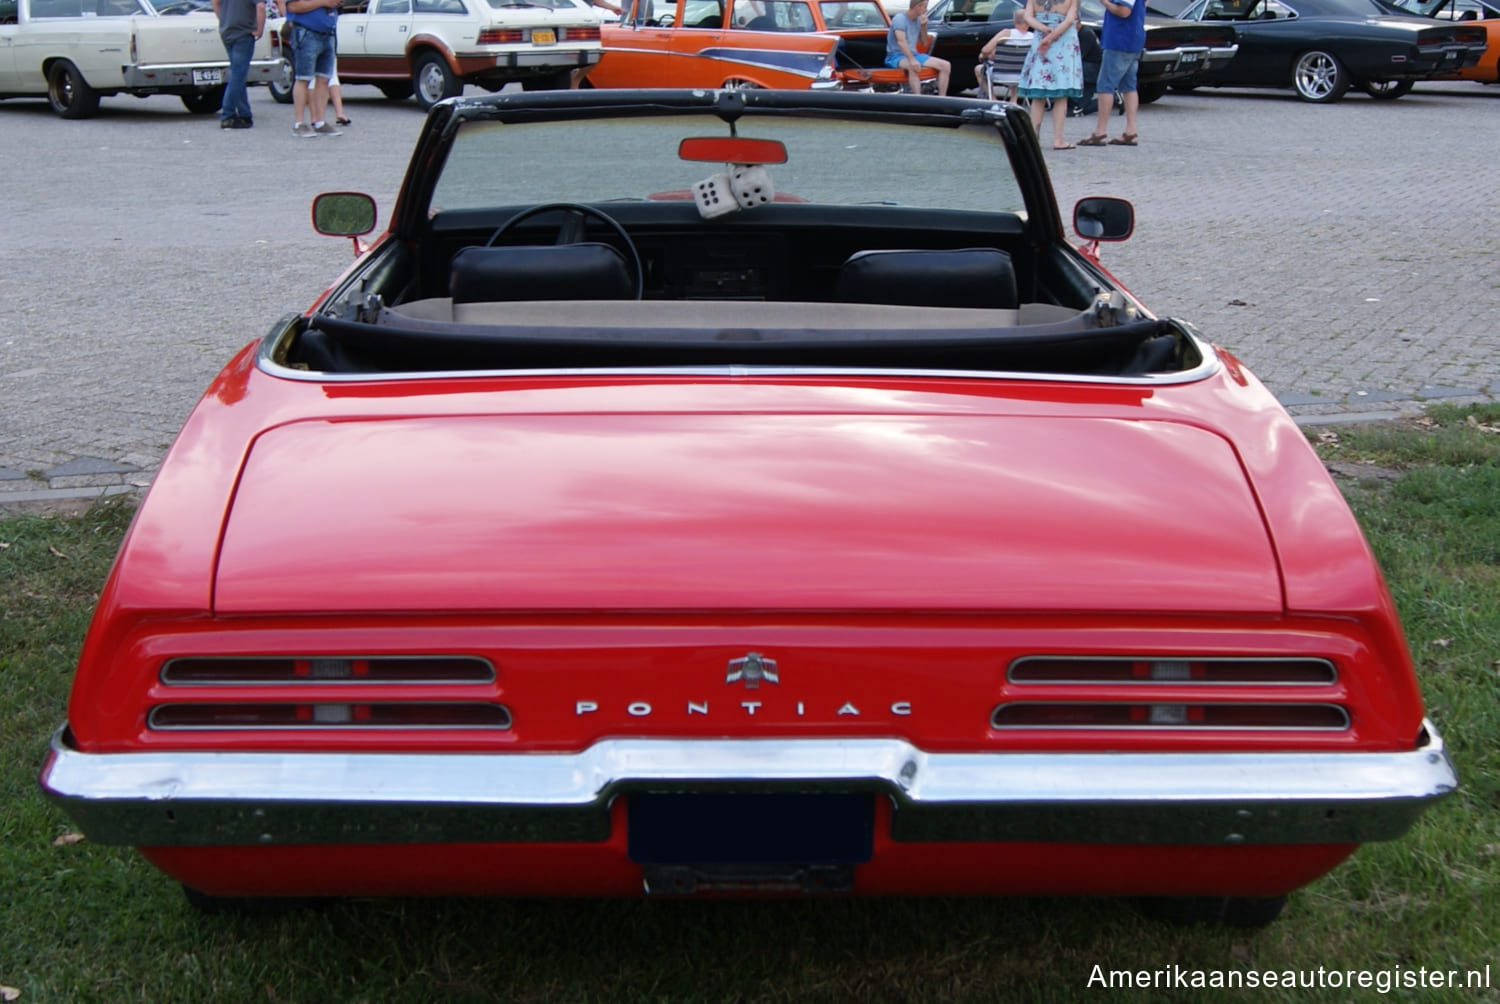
1318	77
737	84
433	81
281	84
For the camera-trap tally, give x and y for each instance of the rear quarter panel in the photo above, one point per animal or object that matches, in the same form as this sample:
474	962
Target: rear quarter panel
651	56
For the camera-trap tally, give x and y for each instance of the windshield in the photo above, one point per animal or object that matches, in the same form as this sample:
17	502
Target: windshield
852	14
829	162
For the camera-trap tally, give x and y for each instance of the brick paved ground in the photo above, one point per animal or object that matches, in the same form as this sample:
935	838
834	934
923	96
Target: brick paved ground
1346	253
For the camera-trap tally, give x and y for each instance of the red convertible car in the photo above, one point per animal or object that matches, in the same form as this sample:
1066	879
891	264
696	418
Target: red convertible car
741	518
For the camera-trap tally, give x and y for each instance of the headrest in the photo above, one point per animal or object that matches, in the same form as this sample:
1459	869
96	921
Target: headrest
587	271
966	277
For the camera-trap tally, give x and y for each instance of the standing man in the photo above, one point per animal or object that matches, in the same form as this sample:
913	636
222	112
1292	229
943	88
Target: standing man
1124	38
241	24
904	44
314	45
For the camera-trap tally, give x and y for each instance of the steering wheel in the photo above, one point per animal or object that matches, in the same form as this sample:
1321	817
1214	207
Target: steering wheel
572	231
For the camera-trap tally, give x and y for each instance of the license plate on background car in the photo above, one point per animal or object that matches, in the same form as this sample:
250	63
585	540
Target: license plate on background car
1190	57
543	36
208	76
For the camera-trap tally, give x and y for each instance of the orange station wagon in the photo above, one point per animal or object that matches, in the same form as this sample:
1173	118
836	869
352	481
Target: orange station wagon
787	44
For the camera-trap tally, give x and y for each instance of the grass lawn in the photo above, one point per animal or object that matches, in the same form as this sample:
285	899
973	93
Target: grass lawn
80	922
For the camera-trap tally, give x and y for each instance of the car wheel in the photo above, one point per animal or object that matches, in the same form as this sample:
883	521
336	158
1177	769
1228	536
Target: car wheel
69	93
737	84
1319	77
547	82
281	84
204	102
1150	92
1228	911
433	81
395	90
1387	90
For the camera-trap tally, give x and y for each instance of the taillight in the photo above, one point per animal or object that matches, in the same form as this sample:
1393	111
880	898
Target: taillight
501	36
325	715
384	692
1196	692
581	33
1237	671
1134	715
197	672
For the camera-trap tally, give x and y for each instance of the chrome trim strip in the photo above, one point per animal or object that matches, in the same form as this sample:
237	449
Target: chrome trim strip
242	798
1209	366
1010	671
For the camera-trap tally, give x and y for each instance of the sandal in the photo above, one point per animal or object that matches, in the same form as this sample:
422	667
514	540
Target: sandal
1128	139
344	120
1063	146
1097	139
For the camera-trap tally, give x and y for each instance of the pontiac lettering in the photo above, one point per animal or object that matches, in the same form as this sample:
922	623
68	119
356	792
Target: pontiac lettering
644	709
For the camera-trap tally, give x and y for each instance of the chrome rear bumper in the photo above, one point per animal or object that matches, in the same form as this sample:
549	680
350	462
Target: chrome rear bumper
237	799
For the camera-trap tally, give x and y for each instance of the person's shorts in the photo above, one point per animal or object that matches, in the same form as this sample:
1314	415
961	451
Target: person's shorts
1117	72
312	53
894	60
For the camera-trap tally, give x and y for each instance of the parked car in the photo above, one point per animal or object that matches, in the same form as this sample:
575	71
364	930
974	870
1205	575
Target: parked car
1176	51
860	25
433	48
1485	15
686	45
702	507
1321	48
74	52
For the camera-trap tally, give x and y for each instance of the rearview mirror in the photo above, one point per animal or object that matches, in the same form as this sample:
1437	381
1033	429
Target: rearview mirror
732	150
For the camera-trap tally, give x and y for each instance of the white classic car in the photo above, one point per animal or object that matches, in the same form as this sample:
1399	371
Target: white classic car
434	47
75	52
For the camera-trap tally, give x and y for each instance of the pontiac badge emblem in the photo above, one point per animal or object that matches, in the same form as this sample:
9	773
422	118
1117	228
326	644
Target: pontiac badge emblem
753	668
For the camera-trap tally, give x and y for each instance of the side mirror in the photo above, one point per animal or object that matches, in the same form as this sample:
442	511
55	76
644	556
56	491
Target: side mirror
1102	218
344	214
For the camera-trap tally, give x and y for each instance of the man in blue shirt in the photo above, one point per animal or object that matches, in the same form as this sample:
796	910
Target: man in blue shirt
903	47
314	44
1123	39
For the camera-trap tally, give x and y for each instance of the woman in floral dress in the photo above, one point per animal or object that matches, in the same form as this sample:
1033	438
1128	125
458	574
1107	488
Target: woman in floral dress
1053	69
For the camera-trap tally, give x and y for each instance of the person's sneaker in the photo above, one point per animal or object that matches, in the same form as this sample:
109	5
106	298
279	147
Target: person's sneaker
324	129
241	124
303	131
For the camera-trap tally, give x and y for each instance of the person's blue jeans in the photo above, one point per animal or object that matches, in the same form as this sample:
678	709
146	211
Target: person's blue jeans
236	104
312	53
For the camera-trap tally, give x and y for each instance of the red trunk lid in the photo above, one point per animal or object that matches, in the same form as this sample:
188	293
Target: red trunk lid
747	512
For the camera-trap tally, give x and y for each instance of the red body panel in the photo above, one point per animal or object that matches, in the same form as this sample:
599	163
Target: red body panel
159	602
605	869
602	510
